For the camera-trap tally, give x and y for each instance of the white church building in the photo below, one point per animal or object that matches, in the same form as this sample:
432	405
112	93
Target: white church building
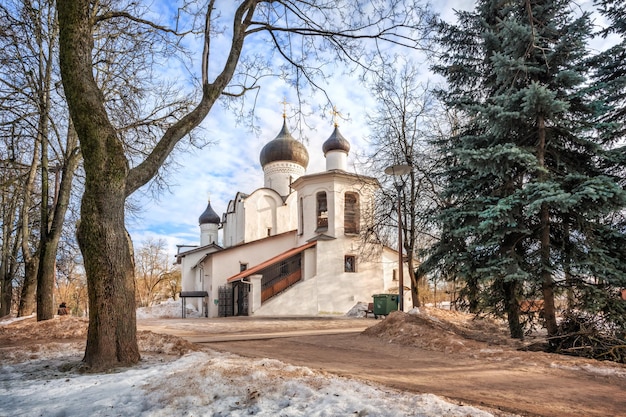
297	246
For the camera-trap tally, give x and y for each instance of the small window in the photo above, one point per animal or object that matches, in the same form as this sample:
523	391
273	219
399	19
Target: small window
242	267
350	263
395	275
284	269
351	213
322	211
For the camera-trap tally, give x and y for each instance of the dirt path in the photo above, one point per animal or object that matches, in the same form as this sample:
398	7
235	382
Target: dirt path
443	353
527	387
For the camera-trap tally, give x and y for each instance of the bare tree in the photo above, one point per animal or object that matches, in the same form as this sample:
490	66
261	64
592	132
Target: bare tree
70	283
402	126
37	119
112	176
153	272
9	207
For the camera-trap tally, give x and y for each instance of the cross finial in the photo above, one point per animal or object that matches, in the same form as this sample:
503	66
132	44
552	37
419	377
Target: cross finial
336	116
284	103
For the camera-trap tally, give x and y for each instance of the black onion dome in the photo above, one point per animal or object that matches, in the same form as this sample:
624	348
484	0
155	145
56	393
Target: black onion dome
336	142
209	216
284	148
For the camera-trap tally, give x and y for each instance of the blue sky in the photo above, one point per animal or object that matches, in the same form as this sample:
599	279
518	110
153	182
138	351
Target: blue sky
232	163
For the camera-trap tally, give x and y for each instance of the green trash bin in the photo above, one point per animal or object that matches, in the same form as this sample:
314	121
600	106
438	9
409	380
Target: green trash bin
385	304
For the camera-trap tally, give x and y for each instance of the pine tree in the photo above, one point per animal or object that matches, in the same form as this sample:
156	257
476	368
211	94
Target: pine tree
610	70
527	174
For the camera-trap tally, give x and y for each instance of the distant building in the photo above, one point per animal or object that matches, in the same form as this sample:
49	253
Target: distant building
297	246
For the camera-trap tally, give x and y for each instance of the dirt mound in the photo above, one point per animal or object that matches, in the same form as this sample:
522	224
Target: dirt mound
164	344
443	331
32	334
29	329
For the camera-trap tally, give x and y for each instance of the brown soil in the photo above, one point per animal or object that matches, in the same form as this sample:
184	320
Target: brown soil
441	352
456	356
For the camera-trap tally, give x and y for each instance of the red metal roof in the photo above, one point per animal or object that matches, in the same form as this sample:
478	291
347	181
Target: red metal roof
271	261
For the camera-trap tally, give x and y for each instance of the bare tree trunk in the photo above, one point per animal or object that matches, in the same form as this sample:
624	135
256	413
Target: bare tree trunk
547	283
45	278
473	291
6	279
512	309
27	304
415	282
48	248
8	255
48	240
102	238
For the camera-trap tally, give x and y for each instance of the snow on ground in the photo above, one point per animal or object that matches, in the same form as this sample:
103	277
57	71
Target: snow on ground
178	378
167	309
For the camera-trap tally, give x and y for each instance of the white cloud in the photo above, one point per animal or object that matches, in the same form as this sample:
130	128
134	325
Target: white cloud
232	164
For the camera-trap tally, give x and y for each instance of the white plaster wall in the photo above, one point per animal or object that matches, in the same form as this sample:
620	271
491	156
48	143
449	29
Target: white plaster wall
299	300
208	234
261	214
240	222
335	185
225	264
330	290
189	281
191	276
251	217
339	290
336	160
233	228
279	175
309	261
309	207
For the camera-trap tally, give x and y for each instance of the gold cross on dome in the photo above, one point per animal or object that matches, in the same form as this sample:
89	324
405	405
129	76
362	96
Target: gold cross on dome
336	116
284	103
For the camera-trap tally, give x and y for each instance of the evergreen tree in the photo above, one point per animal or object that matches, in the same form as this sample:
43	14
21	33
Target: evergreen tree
610	70
528	178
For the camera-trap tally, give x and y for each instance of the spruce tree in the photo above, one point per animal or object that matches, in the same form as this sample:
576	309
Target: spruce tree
528	180
610	70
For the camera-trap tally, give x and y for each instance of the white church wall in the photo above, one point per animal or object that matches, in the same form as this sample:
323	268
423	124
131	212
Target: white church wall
278	175
233	229
208	234
335	184
190	281
298	300
309	207
309	264
261	215
227	263
336	160
192	276
240	222
339	291
330	290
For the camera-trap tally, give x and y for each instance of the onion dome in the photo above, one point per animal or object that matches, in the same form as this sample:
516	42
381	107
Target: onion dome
336	142
284	148
209	216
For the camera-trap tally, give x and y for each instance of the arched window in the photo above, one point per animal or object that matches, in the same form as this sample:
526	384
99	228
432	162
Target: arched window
322	211
351	213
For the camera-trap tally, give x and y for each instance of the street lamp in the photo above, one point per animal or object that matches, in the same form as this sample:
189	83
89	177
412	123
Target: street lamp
398	171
